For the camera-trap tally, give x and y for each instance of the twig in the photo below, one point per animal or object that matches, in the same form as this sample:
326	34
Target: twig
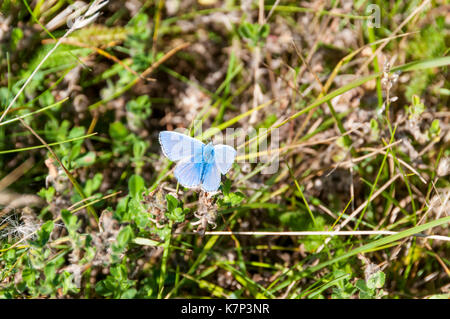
16	173
272	10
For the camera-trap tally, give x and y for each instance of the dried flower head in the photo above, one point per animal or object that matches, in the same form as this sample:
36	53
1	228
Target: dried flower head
206	213
89	16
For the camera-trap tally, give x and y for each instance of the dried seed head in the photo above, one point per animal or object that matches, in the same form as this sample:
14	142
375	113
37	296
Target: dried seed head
89	16
19	227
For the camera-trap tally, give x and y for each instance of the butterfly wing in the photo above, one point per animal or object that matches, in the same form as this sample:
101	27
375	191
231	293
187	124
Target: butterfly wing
211	177
177	146
188	173
224	156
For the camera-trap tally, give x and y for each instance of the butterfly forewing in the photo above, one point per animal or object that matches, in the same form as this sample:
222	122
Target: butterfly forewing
177	146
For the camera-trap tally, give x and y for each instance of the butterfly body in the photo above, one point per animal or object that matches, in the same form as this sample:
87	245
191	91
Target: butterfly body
208	153
198	164
207	160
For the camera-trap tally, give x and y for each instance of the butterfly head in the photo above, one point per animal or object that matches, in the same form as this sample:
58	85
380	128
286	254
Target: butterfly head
208	153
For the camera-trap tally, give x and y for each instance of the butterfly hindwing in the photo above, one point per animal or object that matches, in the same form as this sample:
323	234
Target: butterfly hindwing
188	173
224	157
177	146
211	177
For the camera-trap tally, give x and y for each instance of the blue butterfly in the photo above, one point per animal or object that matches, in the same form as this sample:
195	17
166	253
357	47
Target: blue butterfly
198	164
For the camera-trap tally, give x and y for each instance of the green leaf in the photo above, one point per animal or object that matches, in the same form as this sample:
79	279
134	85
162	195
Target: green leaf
376	280
244	30
43	235
177	215
435	129
139	148
362	287
93	184
77	131
175	211
16	36
374	130
417	107
234	198
129	294
71	221
264	31
136	186
146	242
47	194
255	33
125	235
118	131
87	160
50	272
67	283
172	203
